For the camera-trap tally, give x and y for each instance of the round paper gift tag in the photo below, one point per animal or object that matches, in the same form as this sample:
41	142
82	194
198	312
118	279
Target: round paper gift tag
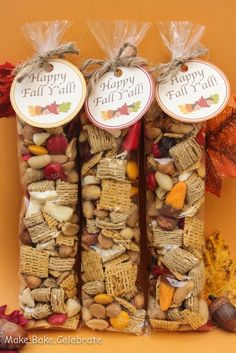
196	93
119	99
49	98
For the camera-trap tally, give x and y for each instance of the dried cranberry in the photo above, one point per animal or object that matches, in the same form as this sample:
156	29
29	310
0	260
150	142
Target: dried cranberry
156	151
151	181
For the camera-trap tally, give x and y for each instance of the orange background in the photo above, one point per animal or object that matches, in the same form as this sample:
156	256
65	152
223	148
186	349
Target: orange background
219	18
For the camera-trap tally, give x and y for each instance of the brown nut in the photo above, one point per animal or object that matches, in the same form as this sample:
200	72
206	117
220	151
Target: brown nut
87	302
104	242
33	281
73	177
137	234
100	213
89	239
156	313
70	228
152	210
59	158
25	238
182	292
65	251
127	233
83	136
28	131
133	218
113	309
138	301
134	256
97	324
91	192
74	219
168	168
152	132
67	167
71	150
98	311
86	315
88	209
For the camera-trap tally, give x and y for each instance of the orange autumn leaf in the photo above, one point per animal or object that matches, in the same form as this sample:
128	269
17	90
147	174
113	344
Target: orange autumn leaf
221	148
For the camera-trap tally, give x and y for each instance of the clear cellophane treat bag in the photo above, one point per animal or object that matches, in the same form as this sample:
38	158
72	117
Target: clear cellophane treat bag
175	173
49	221
112	300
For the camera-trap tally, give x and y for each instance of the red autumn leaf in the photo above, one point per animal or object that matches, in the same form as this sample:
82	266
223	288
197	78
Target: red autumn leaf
15	316
124	109
53	108
221	148
6	79
202	102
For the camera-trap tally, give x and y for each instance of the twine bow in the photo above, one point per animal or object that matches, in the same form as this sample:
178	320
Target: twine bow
170	69
131	60
41	60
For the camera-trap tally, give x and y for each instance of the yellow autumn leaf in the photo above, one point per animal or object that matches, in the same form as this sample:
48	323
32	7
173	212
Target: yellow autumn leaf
104	115
220	268
183	109
31	110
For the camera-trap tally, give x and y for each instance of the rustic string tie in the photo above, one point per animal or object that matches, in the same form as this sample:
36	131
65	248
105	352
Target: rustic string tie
170	69
42	60
131	60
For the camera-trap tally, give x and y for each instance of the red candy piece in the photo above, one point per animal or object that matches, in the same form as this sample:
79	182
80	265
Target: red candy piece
156	151
200	138
131	140
57	319
54	171
207	327
25	157
56	144
158	271
151	181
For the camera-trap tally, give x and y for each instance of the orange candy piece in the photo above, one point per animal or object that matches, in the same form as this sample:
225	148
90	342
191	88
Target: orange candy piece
166	295
121	321
176	196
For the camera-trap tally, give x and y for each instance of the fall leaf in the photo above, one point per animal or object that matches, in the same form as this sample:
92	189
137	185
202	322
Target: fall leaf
124	109
221	148
220	269
64	107
203	102
215	98
53	108
136	106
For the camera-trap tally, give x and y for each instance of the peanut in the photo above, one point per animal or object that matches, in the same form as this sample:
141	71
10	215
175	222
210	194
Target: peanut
203	311
91	192
164	181
182	292
113	310
88	209
98	310
104	242
97	324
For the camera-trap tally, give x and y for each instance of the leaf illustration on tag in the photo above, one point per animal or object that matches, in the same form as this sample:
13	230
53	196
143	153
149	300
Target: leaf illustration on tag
136	106
203	102
221	148
53	108
64	107
124	109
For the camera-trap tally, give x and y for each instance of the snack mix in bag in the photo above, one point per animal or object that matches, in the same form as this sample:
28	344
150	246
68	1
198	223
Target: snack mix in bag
112	300
175	195
49	215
